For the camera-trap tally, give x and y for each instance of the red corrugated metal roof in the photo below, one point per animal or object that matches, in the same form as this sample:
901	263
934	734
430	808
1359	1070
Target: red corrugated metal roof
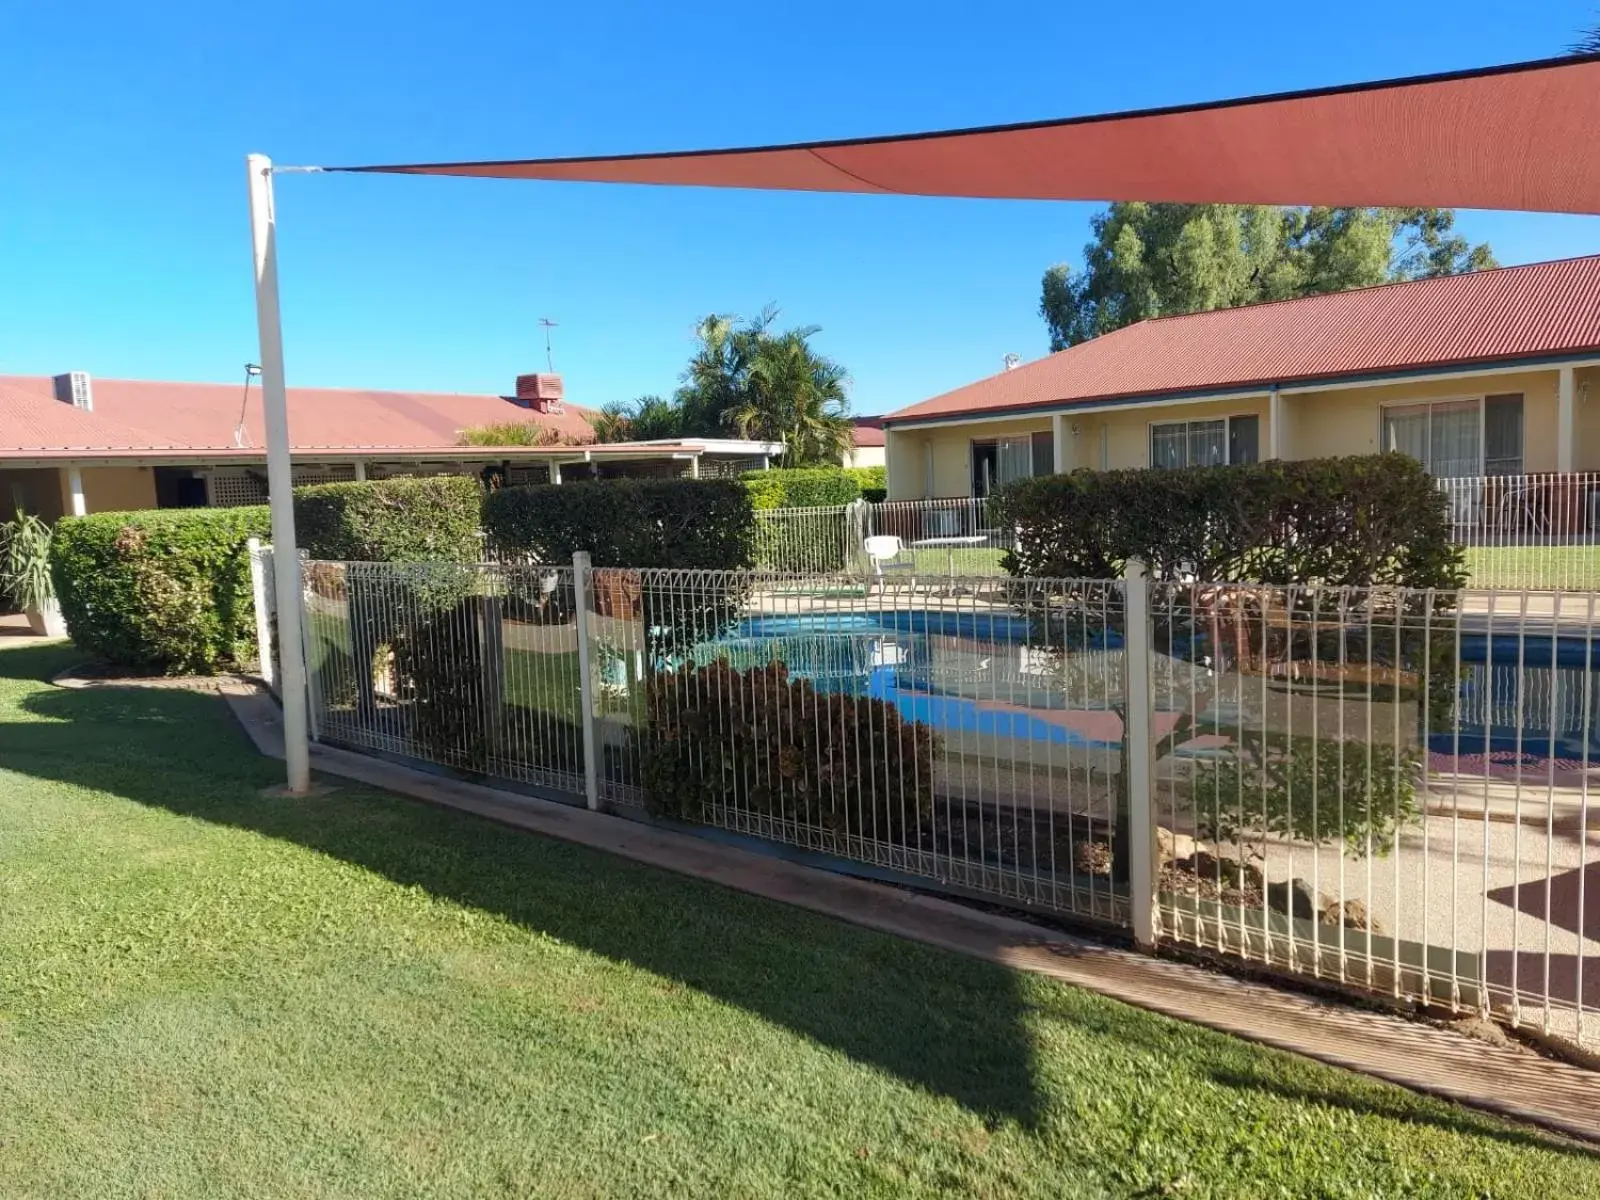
1533	311
32	420
132	415
868	431
1511	137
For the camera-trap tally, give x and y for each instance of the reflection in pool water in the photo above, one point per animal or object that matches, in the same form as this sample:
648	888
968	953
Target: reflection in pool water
981	674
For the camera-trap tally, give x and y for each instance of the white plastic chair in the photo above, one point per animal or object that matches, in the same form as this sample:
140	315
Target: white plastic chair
883	553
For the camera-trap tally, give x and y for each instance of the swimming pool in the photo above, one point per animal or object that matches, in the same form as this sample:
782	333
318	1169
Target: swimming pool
983	674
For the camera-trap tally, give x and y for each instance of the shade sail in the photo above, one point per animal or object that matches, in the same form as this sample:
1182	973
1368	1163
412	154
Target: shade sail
1525	136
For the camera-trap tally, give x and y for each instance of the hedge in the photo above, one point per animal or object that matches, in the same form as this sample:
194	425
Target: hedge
873	482
166	590
1377	520
684	524
702	524
423	519
718	739
1375	525
802	487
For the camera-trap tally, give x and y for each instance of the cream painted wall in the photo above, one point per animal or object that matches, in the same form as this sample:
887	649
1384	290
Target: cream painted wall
1127	436
866	456
952	452
1348	420
112	489
1316	424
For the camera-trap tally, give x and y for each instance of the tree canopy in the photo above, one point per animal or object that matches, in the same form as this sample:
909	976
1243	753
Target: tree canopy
1155	260
746	380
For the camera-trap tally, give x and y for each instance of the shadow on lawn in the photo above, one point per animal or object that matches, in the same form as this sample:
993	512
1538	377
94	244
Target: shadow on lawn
955	1026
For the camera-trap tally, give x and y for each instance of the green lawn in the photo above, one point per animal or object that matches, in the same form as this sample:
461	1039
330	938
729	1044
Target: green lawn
204	991
1569	567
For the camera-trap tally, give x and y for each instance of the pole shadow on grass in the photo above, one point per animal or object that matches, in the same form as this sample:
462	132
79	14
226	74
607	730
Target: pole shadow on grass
951	1025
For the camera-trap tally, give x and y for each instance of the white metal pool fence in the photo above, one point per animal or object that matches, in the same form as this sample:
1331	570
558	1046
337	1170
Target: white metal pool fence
1385	789
935	537
1528	531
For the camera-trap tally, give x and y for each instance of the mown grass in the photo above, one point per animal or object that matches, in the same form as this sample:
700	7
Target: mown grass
1534	567
208	992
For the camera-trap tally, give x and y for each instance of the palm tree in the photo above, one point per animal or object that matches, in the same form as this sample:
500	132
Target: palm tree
716	377
613	423
1589	43
795	396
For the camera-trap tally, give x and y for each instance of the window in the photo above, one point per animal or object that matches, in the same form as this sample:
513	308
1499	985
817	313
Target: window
1457	438
1230	440
1502	435
1002	460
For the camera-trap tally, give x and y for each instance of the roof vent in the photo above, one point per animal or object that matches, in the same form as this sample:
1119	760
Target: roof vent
542	393
1012	361
75	389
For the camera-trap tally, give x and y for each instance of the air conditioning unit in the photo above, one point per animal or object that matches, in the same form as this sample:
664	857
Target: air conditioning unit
542	392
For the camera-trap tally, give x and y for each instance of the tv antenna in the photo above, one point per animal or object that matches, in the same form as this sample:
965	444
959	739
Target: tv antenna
549	360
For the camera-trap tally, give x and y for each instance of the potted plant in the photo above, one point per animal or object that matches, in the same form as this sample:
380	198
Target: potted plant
25	573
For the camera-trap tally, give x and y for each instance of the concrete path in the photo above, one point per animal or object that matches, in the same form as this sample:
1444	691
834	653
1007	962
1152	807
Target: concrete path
1508	1080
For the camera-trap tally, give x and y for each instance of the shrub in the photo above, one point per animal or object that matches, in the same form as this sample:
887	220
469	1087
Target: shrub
392	520
802	487
166	590
1315	789
757	741
702	524
1377	520
516	433
683	524
25	562
1374	525
869	478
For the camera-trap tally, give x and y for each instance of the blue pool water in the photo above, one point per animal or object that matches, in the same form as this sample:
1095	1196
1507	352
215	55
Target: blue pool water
968	673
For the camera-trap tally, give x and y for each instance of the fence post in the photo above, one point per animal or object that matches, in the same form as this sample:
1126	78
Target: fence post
1138	753
307	663
260	593
582	597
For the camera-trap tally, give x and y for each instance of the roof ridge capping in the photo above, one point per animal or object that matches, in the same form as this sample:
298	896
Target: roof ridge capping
1426	280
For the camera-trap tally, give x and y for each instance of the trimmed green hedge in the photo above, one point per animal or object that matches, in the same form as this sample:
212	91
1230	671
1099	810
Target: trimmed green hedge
705	524
1377	520
687	524
165	590
873	481
424	519
802	487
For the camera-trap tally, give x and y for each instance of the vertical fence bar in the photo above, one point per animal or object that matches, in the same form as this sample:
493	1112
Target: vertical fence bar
1138	753
582	591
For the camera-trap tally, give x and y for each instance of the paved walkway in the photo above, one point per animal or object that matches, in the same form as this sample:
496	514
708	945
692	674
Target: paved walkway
1507	1080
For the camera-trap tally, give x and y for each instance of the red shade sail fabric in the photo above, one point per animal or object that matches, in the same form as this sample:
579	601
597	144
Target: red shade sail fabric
1525	137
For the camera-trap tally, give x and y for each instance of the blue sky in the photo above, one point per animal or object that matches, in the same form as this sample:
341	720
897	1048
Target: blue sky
123	229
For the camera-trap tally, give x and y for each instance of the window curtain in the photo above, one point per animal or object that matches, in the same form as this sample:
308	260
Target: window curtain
1168	445
1446	438
1208	443
1455	440
1015	459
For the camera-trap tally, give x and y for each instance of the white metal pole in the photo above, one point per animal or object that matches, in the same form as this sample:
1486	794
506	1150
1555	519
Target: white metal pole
280	479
